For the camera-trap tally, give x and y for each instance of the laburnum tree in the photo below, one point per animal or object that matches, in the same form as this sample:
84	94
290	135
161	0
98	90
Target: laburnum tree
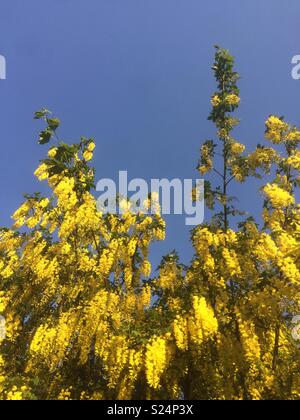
232	307
84	320
72	287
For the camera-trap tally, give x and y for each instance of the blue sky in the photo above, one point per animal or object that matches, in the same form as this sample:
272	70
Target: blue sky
135	74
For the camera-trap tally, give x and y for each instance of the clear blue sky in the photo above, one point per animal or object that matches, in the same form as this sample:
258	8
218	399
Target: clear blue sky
135	74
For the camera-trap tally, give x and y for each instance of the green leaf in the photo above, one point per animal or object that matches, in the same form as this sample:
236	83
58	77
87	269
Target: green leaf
41	114
45	136
54	123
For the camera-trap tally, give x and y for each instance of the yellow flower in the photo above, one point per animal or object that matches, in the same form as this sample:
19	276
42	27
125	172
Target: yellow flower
42	172
215	101
87	155
293	135
237	148
276	128
180	327
231	262
277	196
204	169
44	203
16	394
232	99
294	160
156	361
91	147
202	323
52	153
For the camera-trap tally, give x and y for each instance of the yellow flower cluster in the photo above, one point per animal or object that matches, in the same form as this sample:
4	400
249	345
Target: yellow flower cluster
156	361
51	344
208	244
265	248
65	192
65	394
237	172
276	128
168	276
237	148
215	101
16	394
52	152
231	262
278	197
250	341
4	300
294	160
288	268
206	159
293	135
180	328
88	154
42	172
232	99
262	157
202	323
